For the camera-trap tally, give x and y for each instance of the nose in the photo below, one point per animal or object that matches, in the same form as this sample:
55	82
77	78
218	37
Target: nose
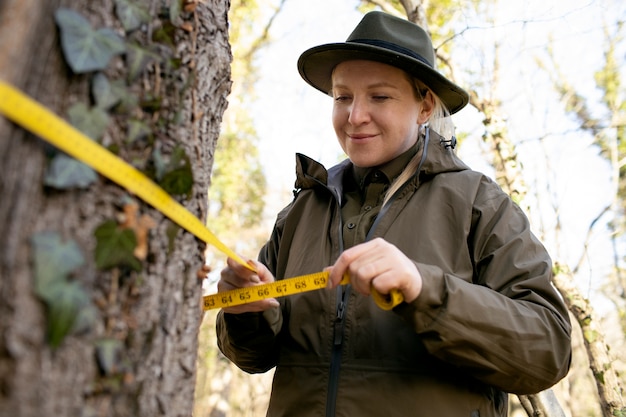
359	112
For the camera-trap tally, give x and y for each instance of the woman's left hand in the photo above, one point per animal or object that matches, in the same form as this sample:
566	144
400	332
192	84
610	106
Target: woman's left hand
380	265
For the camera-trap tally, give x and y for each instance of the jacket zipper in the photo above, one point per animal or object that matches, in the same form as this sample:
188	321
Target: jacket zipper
335	359
343	292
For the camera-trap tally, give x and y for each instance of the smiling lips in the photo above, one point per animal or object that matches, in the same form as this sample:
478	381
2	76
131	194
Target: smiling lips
357	137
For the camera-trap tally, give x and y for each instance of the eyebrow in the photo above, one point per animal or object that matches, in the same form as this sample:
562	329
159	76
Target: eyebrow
371	86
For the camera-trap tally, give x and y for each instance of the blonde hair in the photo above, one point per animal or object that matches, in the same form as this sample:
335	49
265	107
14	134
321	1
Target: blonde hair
439	121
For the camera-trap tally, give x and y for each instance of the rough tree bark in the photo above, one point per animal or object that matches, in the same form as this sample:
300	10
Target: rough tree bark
153	315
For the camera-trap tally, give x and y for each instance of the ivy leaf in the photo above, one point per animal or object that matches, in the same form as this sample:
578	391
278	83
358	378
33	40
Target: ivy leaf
103	93
138	59
84	48
178	178
87	316
159	164
69	307
65	301
137	130
108	94
115	247
131	14
165	35
65	172
176	7
92	122
108	352
54	260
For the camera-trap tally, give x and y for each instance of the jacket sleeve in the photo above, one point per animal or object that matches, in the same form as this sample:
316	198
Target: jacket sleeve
509	327
249	340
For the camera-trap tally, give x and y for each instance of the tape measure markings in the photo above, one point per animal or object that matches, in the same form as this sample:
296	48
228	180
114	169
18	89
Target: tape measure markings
276	289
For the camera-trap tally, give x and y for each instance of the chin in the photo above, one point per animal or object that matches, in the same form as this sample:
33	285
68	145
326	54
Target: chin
364	163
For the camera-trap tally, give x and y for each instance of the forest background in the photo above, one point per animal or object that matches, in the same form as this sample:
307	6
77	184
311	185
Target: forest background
546	120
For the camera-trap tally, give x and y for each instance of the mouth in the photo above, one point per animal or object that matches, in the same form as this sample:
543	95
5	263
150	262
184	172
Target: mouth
359	137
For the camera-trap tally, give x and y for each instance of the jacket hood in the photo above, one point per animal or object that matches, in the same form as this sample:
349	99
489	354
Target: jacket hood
440	158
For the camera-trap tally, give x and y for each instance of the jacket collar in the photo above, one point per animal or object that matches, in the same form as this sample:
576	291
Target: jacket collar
310	173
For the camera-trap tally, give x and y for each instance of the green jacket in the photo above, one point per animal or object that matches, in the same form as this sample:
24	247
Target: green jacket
487	322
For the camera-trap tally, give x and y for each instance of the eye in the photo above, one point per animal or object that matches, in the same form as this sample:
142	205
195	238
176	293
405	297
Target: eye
342	98
380	97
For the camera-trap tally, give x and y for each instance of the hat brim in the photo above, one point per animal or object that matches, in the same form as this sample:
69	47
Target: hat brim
316	65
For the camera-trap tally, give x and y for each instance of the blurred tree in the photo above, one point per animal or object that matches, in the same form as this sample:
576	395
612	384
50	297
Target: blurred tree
236	203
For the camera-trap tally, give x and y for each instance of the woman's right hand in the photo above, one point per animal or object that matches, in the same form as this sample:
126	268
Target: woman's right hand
236	275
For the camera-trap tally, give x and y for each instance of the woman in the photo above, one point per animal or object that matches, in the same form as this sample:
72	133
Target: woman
479	318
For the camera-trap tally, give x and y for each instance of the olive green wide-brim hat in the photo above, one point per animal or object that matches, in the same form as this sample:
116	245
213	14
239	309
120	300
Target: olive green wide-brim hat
388	39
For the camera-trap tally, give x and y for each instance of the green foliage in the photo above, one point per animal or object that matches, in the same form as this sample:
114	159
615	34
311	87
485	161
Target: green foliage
176	7
175	176
115	247
107	94
131	14
138	59
86	49
137	130
620	413
54	260
108	352
65	173
92	122
68	304
165	34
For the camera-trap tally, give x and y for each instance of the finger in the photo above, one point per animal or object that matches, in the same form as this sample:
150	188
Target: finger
262	272
203	272
256	307
244	271
345	264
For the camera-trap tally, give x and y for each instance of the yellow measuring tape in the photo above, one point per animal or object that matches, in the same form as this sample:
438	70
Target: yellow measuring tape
290	286
37	119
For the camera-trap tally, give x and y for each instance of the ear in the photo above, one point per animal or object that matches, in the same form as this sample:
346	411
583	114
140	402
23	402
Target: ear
426	108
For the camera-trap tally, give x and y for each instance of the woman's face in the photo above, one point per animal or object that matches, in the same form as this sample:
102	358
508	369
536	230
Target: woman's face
376	114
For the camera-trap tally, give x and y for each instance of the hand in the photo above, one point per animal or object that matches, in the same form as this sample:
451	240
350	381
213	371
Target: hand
380	265
236	275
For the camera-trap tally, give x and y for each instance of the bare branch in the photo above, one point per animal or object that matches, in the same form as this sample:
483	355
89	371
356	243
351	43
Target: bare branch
600	362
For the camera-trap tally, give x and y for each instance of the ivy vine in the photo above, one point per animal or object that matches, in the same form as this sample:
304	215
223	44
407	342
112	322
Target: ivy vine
119	245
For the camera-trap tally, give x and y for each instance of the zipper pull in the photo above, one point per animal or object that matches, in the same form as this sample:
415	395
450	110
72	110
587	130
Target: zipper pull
338	325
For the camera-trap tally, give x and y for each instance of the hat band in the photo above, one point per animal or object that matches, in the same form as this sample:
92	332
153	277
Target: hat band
393	47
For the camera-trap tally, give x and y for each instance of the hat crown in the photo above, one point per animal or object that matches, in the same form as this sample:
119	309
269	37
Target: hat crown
384	38
390	32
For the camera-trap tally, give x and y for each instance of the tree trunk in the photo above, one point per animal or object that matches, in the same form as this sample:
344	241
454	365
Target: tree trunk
137	357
